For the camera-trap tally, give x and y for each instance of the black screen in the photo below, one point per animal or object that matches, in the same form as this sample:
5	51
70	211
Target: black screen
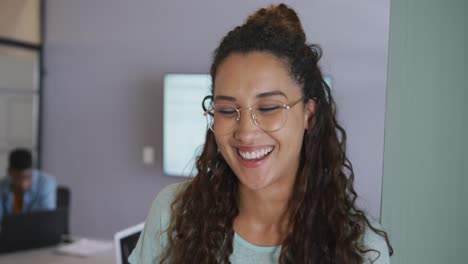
127	244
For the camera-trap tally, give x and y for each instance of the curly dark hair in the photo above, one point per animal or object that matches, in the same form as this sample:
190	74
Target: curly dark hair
325	225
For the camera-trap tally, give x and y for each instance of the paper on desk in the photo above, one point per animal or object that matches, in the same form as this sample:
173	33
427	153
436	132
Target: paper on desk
84	247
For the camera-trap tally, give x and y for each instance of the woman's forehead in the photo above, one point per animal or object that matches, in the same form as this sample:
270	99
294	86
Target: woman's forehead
254	74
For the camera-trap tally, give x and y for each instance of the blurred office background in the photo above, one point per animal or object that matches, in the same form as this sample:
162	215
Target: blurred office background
399	71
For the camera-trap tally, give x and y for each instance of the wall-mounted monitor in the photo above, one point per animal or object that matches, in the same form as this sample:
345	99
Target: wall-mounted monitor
184	124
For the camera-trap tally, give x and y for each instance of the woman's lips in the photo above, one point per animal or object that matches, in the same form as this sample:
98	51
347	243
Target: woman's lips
253	157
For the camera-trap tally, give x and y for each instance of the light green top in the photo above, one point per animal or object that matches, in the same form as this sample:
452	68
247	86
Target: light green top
152	240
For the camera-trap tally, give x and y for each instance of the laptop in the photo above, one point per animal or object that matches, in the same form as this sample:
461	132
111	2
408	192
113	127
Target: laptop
32	230
125	241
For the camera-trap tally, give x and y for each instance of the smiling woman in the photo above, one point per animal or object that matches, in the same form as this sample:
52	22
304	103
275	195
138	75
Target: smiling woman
275	128
274	184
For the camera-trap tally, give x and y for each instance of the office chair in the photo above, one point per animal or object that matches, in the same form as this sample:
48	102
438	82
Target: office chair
63	197
63	201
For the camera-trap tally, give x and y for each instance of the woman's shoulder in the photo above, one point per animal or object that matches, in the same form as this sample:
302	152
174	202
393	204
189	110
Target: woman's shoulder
159	213
167	195
375	244
152	241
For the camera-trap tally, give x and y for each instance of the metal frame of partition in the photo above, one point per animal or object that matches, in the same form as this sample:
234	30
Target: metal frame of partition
39	48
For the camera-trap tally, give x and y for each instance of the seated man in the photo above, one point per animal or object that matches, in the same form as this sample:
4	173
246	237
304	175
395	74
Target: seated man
25	189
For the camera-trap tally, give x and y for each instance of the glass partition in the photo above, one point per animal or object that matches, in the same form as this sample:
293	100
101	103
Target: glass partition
19	101
20	77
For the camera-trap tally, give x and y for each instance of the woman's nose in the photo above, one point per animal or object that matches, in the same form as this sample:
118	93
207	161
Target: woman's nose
246	127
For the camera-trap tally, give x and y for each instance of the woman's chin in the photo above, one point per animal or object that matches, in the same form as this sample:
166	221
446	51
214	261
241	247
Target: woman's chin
254	182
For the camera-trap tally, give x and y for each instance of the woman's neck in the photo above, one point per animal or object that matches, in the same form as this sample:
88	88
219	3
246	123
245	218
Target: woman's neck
263	214
265	206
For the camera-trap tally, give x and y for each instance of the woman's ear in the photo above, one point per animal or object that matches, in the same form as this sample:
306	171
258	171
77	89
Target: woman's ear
309	113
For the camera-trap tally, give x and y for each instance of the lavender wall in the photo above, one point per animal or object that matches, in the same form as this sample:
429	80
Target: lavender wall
103	91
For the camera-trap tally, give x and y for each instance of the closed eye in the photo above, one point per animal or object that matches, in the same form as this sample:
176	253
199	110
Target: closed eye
268	108
226	112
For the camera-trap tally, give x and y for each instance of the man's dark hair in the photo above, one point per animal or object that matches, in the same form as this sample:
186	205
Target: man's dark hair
20	159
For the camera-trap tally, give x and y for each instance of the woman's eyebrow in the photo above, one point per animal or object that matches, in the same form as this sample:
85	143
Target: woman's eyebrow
272	93
261	95
224	97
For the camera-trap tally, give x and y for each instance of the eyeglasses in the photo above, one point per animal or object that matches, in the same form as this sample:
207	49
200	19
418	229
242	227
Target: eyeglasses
269	115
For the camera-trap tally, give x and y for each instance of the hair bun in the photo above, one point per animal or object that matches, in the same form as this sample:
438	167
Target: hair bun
278	16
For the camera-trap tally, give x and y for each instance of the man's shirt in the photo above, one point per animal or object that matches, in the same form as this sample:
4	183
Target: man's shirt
41	195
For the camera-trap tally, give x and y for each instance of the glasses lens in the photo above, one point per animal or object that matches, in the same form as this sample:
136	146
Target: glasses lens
222	119
270	116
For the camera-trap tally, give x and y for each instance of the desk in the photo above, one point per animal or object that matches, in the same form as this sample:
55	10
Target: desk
47	256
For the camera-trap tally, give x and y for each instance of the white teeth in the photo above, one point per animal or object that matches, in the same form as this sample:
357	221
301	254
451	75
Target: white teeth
256	154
